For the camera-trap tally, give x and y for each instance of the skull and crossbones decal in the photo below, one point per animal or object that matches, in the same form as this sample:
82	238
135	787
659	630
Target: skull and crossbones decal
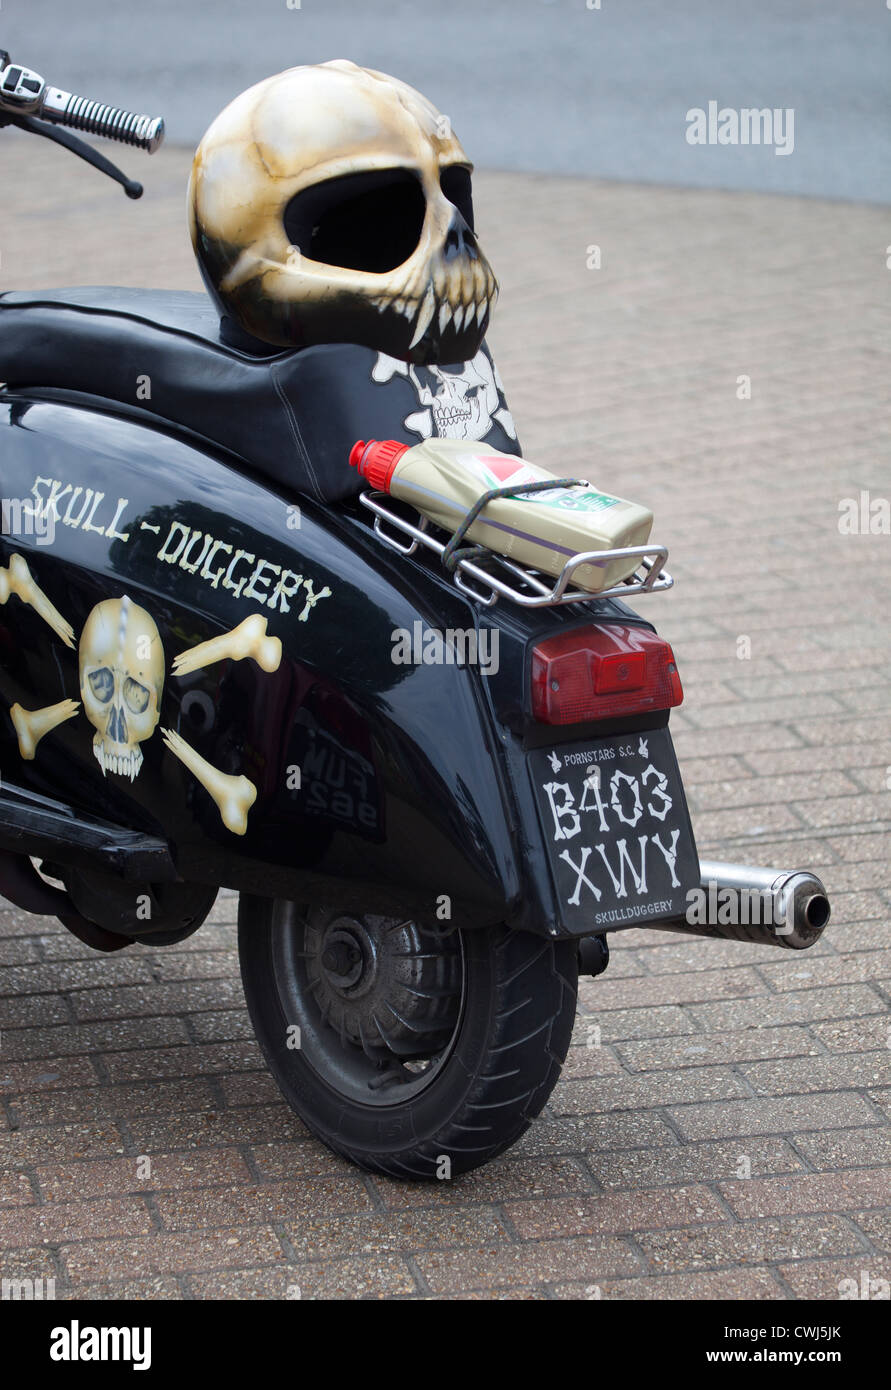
121	672
455	405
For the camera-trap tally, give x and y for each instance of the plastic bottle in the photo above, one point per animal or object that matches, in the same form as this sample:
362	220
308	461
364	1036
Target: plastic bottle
443	478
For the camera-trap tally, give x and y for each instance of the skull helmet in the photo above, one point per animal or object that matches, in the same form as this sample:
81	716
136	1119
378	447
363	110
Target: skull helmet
332	203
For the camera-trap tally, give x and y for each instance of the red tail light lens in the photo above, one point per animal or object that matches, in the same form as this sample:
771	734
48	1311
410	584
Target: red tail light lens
602	673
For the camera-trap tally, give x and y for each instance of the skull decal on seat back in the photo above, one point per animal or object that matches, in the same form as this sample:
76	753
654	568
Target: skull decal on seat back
121	669
464	402
333	204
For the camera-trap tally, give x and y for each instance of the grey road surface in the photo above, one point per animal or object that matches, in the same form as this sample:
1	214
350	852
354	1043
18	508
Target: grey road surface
596	87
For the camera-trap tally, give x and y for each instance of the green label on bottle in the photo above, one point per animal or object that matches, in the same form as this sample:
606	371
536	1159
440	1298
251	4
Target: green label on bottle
573	499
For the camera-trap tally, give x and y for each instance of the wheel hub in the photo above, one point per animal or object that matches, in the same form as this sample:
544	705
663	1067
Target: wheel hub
383	984
347	959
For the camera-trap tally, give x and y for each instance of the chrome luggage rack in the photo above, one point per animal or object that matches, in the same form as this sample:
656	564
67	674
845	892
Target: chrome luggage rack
493	576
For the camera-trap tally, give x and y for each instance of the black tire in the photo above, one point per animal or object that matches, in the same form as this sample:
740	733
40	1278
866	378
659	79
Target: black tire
508	1034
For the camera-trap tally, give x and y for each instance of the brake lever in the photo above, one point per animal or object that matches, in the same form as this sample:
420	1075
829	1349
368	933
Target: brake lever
76	146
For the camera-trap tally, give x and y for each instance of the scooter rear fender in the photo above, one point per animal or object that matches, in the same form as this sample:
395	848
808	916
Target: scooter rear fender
341	772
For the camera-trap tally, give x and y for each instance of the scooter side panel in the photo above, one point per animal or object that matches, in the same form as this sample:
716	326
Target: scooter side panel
295	758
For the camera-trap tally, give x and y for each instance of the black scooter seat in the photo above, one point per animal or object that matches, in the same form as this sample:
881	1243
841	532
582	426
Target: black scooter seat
290	415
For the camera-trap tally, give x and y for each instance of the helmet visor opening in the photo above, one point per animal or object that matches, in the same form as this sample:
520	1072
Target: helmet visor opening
370	221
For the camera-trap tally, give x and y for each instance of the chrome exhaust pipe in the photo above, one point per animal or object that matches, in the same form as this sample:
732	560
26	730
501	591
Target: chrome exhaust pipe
768	907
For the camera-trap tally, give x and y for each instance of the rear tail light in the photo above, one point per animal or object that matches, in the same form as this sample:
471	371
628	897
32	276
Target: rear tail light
602	673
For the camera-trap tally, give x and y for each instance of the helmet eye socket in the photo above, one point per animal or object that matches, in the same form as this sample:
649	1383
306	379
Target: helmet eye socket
455	183
370	221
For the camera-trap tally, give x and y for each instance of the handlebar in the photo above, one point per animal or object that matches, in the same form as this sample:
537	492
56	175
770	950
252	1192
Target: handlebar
24	93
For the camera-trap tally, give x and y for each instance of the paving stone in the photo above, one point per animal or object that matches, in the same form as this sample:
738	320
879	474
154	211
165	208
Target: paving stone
708	1049
60	1143
190	1060
388	1277
71	1039
613	1212
592	1061
140	1173
748	1283
852	1279
27	1078
197	1128
255	1203
33	1011
33	1262
803	1074
620	1024
798	1006
289	1161
846	1148
249	1087
64	1221
90	1260
759	790
687	953
15	1190
774	1116
221	1026
751	1242
496	1182
196	965
132	1291
52	976
694	1163
808	1192
876	1225
392	1232
105	1102
587	1257
677	989
645	1090
608	1132
127	1001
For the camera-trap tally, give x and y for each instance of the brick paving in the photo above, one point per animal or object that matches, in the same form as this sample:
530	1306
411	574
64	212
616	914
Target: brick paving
723	1127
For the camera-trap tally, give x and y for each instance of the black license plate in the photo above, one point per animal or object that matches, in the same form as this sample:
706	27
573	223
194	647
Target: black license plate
615	820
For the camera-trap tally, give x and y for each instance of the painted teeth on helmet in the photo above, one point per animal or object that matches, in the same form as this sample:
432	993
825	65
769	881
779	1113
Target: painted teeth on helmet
481	310
425	314
445	317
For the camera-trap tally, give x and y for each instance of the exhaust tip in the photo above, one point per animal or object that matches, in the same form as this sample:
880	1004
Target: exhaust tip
816	911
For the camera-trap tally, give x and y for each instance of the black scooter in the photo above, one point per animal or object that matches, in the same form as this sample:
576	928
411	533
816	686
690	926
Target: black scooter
436	786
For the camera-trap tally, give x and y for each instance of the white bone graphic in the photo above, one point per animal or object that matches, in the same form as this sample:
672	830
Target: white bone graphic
248	639
234	796
31	725
17	579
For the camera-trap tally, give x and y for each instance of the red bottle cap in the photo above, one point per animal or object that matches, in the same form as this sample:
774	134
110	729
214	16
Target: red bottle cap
376	460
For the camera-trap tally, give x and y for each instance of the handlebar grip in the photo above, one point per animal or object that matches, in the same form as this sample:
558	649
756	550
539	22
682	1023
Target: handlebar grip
112	122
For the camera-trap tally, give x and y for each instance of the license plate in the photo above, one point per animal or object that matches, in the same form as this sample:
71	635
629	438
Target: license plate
615	820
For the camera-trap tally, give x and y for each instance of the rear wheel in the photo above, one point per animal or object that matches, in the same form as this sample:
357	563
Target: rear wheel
412	1052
